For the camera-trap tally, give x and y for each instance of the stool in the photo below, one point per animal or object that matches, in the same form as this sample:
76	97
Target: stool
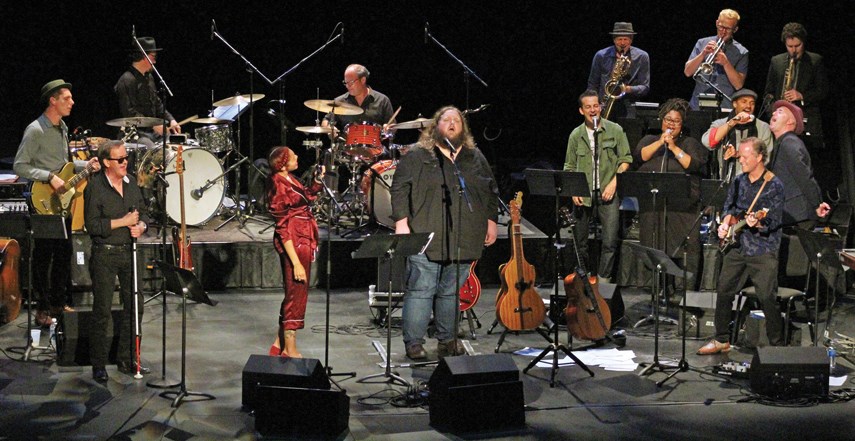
787	295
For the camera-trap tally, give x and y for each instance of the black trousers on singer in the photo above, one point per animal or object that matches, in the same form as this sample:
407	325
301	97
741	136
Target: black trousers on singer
105	265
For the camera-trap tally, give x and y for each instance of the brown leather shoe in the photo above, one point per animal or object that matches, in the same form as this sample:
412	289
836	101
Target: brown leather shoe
714	347
450	348
43	318
416	352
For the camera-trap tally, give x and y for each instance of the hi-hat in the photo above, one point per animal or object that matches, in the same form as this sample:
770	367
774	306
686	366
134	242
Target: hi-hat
238	99
337	107
211	121
136	121
314	129
418	123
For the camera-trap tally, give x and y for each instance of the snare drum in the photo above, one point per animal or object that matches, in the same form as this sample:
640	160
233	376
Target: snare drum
216	139
375	185
363	140
200	166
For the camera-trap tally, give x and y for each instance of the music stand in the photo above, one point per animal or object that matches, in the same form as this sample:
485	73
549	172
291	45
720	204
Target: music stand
650	186
556	183
37	226
823	252
388	247
662	265
184	282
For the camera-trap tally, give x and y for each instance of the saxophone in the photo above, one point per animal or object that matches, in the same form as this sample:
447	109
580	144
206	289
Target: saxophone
614	87
789	77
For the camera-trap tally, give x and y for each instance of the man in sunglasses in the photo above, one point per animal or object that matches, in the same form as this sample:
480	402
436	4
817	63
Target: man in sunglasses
42	153
112	206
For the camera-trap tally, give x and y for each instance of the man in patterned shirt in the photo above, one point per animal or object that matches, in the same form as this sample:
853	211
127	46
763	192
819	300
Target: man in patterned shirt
753	192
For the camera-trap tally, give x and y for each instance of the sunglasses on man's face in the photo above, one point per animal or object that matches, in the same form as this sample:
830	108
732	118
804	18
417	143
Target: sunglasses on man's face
119	160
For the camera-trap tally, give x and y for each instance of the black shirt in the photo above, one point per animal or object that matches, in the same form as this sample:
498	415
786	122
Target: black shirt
138	96
102	203
377	109
424	180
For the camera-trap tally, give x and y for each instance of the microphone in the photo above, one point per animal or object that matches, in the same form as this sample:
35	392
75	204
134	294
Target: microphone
342	34
596	121
132	208
134	31
426	31
450	145
213	26
197	193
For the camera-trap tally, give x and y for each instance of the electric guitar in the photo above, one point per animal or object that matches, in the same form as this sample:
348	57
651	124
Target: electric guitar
736	224
180	238
45	200
470	292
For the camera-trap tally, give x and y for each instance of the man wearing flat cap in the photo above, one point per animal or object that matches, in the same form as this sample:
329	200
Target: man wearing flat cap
138	95
635	84
726	133
790	161
42	153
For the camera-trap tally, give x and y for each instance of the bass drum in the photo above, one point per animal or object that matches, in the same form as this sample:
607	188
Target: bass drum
375	186
200	166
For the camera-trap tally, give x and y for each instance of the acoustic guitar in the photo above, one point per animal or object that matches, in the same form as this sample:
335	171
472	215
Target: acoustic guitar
587	313
518	305
10	289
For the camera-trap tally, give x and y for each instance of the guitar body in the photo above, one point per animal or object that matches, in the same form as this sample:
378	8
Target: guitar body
581	313
519	307
470	292
185	260
45	200
734	227
10	288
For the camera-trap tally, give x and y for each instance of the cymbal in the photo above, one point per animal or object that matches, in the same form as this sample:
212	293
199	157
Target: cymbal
314	129
211	121
137	121
238	99
418	123
337	107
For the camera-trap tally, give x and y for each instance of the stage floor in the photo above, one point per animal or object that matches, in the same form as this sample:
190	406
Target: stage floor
40	400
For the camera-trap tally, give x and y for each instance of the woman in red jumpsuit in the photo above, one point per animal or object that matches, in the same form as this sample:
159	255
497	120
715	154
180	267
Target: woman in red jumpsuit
295	239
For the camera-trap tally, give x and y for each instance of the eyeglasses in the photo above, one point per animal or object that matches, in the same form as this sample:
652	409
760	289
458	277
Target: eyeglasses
348	83
673	121
119	160
723	28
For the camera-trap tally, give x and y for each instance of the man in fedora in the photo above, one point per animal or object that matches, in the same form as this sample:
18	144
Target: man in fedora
138	95
42	153
635	84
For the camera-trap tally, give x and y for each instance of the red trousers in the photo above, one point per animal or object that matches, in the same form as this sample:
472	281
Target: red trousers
293	309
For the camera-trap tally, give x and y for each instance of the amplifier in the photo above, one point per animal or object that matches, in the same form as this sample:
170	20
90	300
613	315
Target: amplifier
13	190
13	205
787	372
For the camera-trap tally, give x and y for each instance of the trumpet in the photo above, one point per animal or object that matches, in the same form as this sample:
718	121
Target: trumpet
706	67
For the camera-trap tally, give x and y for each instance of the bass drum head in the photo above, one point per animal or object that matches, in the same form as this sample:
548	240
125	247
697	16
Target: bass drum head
375	185
200	166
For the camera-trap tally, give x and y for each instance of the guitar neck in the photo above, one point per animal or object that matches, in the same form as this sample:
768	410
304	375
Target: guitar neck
79	177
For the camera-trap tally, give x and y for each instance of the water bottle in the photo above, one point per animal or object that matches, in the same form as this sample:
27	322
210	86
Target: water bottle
52	333
832	355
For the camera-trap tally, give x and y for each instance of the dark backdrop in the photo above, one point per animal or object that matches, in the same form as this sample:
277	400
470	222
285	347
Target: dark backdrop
535	57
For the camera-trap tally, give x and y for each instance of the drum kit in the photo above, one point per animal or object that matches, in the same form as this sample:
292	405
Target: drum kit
360	146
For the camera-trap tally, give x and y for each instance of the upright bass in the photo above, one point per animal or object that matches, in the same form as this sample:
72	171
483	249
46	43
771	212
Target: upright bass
518	305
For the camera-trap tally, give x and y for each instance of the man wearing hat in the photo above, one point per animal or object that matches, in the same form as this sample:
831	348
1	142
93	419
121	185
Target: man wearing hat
138	95
636	83
729	131
730	65
791	163
44	151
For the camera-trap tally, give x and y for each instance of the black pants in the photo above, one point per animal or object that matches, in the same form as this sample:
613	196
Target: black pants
735	271
104	266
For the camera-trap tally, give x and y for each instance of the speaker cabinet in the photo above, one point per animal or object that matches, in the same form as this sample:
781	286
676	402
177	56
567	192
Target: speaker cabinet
292	396
460	387
81	245
790	371
72	341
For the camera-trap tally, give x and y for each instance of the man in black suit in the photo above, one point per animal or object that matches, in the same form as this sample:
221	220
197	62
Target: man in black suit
798	76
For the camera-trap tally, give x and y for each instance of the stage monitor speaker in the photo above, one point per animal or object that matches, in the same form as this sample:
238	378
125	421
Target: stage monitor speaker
790	371
81	245
72	339
292	396
460	386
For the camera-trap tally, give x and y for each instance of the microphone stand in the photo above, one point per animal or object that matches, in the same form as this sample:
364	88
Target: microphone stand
462	194
164	90
467	72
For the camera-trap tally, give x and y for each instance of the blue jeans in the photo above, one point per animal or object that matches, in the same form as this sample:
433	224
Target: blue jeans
431	286
609	215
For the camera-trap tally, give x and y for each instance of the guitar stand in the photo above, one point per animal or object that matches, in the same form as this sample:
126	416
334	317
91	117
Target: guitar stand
473	322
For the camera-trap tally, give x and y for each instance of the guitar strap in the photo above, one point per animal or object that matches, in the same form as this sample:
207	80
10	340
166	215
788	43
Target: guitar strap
767	176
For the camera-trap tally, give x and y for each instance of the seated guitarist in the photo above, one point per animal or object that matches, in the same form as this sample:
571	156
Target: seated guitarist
43	151
756	256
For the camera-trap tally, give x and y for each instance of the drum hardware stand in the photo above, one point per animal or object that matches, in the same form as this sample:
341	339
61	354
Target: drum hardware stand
387	247
363	205
164	90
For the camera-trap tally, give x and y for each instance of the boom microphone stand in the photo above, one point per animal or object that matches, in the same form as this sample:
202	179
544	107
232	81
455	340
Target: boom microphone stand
164	219
467	72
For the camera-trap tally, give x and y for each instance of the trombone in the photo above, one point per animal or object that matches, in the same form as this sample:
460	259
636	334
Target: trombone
707	66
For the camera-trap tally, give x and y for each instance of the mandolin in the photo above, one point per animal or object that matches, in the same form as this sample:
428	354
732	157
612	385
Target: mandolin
185	260
471	289
587	313
518	305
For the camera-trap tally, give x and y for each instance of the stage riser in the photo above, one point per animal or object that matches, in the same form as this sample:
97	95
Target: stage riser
221	266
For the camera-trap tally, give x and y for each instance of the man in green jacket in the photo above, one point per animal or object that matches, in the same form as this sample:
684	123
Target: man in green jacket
603	142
